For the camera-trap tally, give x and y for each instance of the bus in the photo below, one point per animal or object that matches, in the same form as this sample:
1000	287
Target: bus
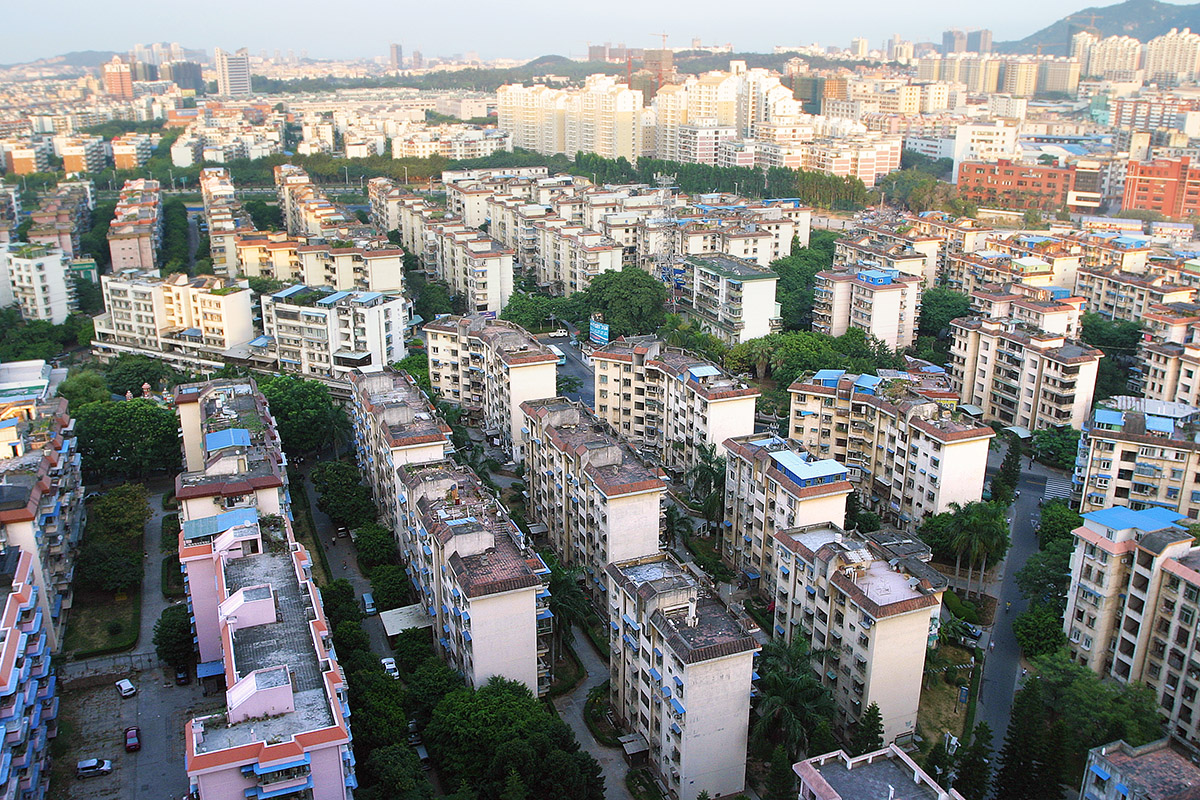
562	357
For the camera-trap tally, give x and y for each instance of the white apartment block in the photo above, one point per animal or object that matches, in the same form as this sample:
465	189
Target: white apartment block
1125	295
306	210
367	265
603	117
569	256
1140	453
597	501
1131	612
394	425
960	235
837	775
1173	57
1032	306
906	452
135	232
1020	375
682	669
874	612
877	247
476	266
669	402
475	573
772	484
38	280
885	303
731	298
189	322
490	367
969	273
455	142
325	335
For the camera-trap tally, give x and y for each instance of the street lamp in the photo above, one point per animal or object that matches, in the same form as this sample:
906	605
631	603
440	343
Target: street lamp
347	171
406	175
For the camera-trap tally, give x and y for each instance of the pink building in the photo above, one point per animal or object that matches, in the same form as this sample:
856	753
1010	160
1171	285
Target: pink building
136	228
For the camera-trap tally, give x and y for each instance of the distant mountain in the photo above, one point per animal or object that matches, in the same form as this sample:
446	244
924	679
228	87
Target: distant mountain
1141	19
80	59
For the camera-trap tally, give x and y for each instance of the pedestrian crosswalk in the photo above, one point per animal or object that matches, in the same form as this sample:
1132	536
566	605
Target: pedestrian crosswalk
1057	487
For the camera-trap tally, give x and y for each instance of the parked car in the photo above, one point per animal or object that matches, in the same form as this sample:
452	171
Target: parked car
90	767
343	532
126	687
133	739
183	676
389	666
561	333
368	604
423	754
973	631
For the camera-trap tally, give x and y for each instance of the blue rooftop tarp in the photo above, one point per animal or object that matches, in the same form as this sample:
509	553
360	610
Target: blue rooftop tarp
825	375
703	371
210	669
1146	520
1159	424
1108	416
211	526
230	437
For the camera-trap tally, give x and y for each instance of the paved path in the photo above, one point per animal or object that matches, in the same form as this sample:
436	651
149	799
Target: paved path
570	708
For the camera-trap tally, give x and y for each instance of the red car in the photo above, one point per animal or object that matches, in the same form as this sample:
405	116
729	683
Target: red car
133	739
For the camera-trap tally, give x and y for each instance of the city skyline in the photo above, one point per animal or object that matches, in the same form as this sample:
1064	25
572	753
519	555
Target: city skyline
565	31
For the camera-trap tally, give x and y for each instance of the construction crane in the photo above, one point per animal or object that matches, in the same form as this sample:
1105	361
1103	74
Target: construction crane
664	39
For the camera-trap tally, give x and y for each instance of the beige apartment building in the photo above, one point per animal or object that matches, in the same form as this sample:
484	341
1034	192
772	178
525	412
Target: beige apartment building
879	249
1132	609
958	234
597	502
474	265
1140	453
669	402
603	117
135	232
189	322
1021	375
772	484
731	298
490	367
394	424
970	272
875	613
1127	296
479	578
907	451
682	668
884	303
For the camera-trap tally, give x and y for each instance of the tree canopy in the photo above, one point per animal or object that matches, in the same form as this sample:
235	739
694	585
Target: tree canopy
173	636
307	418
797	272
631	301
788	355
1119	339
343	495
1056	447
132	438
128	372
82	387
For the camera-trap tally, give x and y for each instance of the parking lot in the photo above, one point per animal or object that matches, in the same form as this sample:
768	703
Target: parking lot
92	721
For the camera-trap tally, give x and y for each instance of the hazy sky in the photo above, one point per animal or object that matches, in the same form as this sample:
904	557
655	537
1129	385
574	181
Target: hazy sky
518	28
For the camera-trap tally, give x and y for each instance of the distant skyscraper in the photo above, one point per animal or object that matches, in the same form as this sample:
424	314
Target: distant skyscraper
979	41
418	60
397	57
118	79
859	47
187	75
143	71
954	41
233	72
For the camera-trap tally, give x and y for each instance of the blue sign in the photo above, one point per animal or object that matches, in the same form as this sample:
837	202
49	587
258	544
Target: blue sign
963	693
598	333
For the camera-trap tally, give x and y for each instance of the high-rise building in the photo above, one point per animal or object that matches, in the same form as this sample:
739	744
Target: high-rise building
859	47
118	79
954	41
396	56
1173	57
418	59
233	72
187	75
979	41
38	279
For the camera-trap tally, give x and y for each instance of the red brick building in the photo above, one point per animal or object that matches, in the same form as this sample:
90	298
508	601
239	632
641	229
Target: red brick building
1170	186
1003	184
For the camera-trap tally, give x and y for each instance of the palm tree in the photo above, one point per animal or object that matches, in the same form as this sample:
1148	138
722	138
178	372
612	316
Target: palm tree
791	698
760	351
935	663
706	482
676	524
567	603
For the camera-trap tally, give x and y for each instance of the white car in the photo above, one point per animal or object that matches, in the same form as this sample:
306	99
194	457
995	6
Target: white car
90	767
126	687
389	666
561	333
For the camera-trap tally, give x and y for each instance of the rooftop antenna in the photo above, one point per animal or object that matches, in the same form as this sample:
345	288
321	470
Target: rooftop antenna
664	252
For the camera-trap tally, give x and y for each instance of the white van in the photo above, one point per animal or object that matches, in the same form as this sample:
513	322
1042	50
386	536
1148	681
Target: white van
126	687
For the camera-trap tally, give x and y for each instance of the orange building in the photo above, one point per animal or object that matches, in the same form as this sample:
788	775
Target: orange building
1170	186
118	79
1004	184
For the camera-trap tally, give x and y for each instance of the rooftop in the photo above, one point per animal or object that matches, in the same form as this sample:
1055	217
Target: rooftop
1163	770
730	267
874	776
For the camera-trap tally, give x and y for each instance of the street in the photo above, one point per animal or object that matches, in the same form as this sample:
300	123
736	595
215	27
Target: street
576	368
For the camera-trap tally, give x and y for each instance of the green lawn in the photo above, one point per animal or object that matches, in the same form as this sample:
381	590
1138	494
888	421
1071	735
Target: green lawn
305	533
172	578
100	622
170	534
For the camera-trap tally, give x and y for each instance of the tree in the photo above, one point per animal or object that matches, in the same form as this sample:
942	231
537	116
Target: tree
393	771
342	494
630	300
133	438
568	384
780	778
375	545
83	387
568	604
1056	447
340	602
428	684
433	299
1047	574
107	567
938	307
1119	340
1057	522
706	481
867	736
676	525
514	787
389	586
173	636
939	763
121	513
305	413
1038	630
868	522
791	699
1024	743
974	774
88	296
129	372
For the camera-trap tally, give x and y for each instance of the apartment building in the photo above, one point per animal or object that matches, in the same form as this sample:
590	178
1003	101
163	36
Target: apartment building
24	157
306	210
884	303
455	142
1160	770
233	72
1141	453
1127	296
135	232
490	367
899	248
1021	375
325	334
772	484
81	154
973	272
1131	613
29	689
669	402
571	256
481	581
131	150
731	298
394	424
1006	184
475	266
1064	258
62	217
256	612
838	775
41	497
599	504
1168	364
1170	186
905	449
682	667
39	280
189	322
874	612
364	265
961	235
603	117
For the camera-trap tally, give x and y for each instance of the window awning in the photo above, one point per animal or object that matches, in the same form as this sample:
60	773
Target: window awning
1099	770
210	669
